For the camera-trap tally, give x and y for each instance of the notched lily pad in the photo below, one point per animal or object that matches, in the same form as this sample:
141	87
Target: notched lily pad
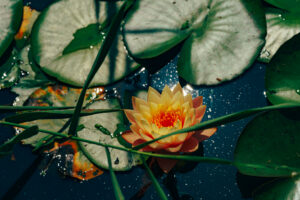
221	38
73	46
281	26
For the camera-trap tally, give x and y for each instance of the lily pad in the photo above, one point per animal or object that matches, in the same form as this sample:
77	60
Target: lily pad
56	95
270	140
11	16
221	38
283	73
67	37
289	5
281	26
121	160
281	189
9	70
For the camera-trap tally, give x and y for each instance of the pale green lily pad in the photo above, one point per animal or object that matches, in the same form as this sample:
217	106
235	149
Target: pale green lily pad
67	37
221	37
121	160
11	16
281	26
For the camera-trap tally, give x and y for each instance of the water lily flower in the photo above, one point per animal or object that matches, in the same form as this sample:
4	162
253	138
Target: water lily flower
162	114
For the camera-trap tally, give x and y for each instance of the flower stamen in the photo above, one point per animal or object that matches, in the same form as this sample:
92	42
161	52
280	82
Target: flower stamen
167	119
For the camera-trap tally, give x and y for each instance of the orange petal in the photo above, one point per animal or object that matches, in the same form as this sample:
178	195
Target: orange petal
190	145
200	111
130	136
198	101
129	115
166	164
204	134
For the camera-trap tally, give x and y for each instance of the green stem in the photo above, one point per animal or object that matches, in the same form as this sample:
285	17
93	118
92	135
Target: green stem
54	114
24	108
159	190
117	190
176	157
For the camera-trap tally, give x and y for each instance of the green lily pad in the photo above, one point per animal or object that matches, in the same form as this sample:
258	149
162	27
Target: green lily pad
11	16
67	37
270	140
121	160
281	26
281	189
283	73
289	5
221	38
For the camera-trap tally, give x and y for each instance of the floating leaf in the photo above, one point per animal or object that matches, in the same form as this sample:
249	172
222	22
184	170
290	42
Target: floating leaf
57	95
11	16
283	73
289	5
281	26
271	139
75	43
121	160
221	37
281	189
32	74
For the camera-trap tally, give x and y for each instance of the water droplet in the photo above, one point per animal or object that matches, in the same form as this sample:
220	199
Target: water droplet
91	47
298	91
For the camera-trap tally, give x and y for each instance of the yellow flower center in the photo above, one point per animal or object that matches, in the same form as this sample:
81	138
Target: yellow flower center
167	119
